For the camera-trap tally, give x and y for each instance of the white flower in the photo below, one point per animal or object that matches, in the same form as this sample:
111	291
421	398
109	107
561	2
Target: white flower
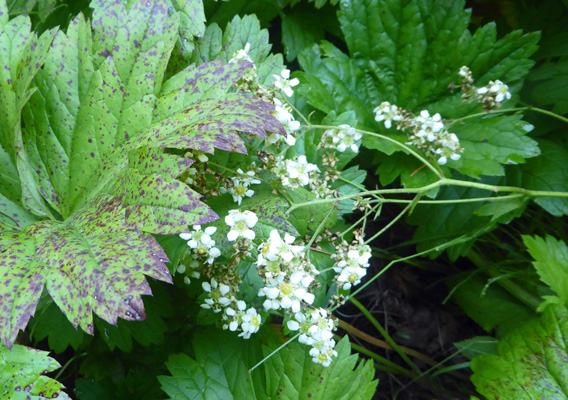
240	224
323	356
351	276
299	171
276	247
216	299
284	83
241	185
428	126
500	90
342	138
387	112
251	323
287	293
200	237
242	55
286	118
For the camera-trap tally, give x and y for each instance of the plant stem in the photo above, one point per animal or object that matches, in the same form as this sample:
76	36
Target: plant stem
384	334
392	367
391	223
517	291
393	141
506	110
274	352
380	343
439	183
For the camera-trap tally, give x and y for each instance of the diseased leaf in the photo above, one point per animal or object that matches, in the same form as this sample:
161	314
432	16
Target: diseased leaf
22	55
22	372
49	322
95	136
531	363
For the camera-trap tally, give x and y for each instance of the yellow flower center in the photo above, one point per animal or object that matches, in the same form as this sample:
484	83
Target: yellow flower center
286	289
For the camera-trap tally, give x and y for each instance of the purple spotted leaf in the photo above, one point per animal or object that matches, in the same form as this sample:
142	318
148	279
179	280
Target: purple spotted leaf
22	374
96	133
22	54
87	264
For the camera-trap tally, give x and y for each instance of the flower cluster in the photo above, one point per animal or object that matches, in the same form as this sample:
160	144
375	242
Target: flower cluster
216	299
240	186
342	138
219	297
287	274
281	84
351	263
490	96
428	133
284	115
387	113
294	173
202	250
316	330
248	321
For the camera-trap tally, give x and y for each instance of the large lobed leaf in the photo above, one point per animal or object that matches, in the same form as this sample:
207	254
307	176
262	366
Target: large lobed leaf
22	375
532	361
220	369
96	131
398	52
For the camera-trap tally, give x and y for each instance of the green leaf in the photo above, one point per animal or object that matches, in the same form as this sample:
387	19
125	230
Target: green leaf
291	374
476	346
22	372
552	85
49	322
221	363
491	142
551	263
440	223
549	172
398	53
218	370
491	307
299	30
531	363
310	216
218	45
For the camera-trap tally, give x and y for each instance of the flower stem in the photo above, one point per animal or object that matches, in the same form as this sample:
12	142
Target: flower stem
384	334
